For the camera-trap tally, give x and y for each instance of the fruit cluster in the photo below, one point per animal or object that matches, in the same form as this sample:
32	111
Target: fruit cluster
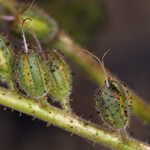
35	72
39	73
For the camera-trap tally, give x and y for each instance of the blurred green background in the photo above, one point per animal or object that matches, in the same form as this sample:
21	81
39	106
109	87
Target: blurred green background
81	19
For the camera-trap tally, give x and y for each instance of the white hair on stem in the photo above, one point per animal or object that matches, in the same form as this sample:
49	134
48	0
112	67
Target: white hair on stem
22	23
33	34
23	35
24	38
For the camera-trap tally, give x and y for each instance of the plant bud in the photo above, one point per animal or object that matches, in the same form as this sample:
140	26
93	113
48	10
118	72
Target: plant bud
60	77
32	74
112	103
6	60
41	24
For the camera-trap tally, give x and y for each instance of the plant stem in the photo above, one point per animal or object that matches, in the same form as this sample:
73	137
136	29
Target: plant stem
67	121
94	70
65	104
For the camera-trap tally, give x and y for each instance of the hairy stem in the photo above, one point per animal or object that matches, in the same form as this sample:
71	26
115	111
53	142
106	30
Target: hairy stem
67	121
94	70
65	104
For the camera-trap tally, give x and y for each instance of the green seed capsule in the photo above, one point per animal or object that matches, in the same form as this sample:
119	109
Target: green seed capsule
44	27
32	74
60	77
112	103
6	60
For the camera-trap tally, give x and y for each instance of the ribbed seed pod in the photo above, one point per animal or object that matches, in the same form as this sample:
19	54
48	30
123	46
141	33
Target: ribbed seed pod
6	60
32	74
113	105
44	27
60	77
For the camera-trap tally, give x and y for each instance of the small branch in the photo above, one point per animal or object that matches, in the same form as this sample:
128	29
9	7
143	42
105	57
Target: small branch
65	104
67	121
94	70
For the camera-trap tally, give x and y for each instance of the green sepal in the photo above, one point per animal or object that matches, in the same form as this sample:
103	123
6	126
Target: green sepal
113	105
32	74
60	77
6	60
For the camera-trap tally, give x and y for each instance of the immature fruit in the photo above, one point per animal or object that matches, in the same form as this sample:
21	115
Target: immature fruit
60	77
6	59
112	103
41	24
32	74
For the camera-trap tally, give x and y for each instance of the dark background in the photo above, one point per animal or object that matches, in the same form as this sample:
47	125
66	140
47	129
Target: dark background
123	25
